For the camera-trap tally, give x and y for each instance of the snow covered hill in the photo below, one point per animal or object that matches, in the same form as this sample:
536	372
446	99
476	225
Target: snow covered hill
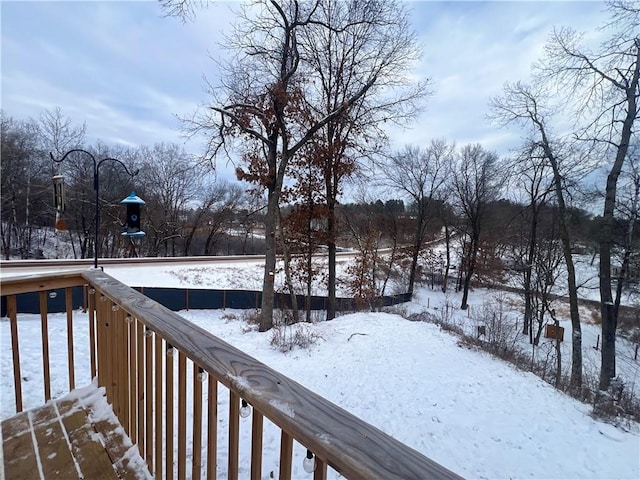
476	415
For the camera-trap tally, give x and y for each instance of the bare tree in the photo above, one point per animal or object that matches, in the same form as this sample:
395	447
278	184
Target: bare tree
59	135
217	202
476	182
533	176
420	174
354	42
628	214
261	100
169	180
24	173
520	105
604	86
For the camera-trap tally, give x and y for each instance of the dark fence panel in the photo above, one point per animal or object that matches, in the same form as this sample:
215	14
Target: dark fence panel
183	299
172	298
243	299
206	299
30	302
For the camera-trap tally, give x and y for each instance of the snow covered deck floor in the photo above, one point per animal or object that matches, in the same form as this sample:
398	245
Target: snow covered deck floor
73	437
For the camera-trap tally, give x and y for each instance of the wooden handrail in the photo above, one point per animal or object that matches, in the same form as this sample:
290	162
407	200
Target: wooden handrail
41	282
351	446
129	337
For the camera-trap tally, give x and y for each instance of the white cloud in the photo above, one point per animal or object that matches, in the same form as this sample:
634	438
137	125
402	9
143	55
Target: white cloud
127	71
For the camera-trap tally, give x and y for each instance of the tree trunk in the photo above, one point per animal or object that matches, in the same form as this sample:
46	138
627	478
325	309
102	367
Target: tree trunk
528	309
471	266
331	280
447	239
266	312
559	355
576	334
415	252
287	270
609	317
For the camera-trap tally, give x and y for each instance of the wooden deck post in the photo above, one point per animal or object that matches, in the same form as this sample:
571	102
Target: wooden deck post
15	350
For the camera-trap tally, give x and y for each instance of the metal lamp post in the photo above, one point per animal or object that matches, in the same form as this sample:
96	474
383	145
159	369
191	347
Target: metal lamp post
96	185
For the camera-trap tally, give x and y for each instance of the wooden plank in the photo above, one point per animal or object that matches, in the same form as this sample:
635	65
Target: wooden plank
68	445
117	448
12	313
92	330
148	376
15	425
169	412
109	364
256	445
92	458
196	455
41	282
44	414
17	449
68	296
133	382
124	371
101	338
355	448
320	473
234	434
286	454
140	387
53	449
212	428
159	352
44	329
182	416
118	364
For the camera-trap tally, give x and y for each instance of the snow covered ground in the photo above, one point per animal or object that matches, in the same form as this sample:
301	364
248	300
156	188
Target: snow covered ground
474	414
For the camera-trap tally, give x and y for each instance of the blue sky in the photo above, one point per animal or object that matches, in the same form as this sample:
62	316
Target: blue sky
129	72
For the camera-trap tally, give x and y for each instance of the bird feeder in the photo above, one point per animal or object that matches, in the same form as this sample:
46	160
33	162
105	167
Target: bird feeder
132	227
59	201
58	192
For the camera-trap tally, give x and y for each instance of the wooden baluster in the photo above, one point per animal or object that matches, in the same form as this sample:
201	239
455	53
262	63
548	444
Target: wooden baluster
320	473
159	361
92	329
99	340
12	313
140	387
133	380
286	453
109	352
169	412
212	429
117	360
256	445
196	468
234	434
68	296
44	323
125	421
148	375
182	416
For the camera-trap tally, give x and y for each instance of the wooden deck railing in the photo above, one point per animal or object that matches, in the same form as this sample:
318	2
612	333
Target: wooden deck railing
135	345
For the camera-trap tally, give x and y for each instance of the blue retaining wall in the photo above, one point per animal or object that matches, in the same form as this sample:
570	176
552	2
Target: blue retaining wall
180	299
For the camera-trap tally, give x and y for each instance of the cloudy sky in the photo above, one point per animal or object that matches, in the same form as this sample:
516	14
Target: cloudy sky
129	72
